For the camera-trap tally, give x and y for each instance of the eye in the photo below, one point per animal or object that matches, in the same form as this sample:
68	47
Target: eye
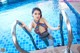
35	13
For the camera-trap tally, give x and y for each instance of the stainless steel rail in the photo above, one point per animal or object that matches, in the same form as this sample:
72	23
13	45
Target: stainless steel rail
13	31
70	36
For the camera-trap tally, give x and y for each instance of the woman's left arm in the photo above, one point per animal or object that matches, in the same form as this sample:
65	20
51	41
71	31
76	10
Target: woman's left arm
52	28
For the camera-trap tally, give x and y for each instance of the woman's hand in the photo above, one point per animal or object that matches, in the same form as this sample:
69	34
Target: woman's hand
20	23
23	25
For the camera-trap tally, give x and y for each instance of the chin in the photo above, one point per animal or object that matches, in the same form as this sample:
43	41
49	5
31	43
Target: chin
38	18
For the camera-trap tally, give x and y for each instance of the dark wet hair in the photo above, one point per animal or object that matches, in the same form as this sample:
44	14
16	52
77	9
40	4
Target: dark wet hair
36	8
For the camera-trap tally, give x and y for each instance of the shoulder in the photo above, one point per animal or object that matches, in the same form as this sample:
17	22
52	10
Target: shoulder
43	19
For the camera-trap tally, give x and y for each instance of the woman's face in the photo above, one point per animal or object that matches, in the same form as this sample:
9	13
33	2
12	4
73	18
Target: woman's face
36	15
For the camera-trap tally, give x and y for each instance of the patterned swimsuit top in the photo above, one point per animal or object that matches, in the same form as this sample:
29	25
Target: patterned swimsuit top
40	24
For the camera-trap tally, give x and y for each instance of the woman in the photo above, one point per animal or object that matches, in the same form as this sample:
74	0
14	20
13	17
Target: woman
40	26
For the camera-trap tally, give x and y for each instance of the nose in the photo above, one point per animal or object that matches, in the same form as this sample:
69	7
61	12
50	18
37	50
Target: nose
37	15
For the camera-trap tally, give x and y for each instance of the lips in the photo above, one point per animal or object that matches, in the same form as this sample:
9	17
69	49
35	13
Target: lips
38	18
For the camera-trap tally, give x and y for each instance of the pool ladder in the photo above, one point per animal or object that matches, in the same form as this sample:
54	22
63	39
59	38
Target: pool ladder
63	15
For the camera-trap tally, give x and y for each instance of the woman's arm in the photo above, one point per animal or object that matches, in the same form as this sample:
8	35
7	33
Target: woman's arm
52	28
24	25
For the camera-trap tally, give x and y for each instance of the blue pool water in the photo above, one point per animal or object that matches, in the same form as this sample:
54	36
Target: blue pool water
50	11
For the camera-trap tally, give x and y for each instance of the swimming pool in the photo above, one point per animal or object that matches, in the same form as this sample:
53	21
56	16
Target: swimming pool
50	11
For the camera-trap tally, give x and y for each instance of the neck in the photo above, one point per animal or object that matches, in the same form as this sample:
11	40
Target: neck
36	20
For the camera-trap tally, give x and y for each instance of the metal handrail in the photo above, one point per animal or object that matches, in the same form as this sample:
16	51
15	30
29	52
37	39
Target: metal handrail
13	32
61	28
70	36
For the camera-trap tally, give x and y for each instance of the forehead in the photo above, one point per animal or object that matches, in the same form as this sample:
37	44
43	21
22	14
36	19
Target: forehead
36	11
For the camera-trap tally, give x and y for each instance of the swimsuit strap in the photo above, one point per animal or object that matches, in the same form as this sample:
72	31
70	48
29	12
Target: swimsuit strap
37	27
